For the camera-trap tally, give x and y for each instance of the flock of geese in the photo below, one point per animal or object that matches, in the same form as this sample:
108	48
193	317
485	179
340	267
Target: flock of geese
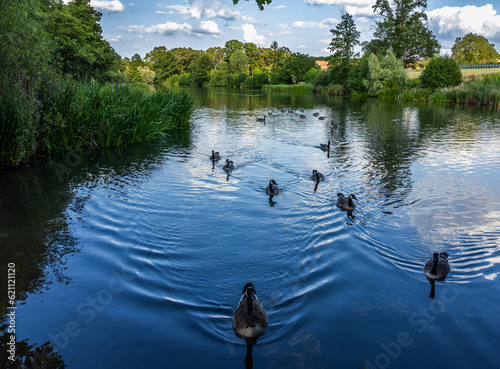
250	319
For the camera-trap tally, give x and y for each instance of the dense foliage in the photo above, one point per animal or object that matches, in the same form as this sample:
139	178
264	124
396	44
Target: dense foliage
403	28
345	38
474	49
441	72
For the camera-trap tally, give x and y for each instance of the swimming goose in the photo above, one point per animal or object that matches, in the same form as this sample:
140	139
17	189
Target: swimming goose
437	267
249	318
273	188
215	156
261	119
302	116
315	114
316	176
346	202
325	147
395	119
321	118
229	165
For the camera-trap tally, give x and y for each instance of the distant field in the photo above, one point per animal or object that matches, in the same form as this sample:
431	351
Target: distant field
414	73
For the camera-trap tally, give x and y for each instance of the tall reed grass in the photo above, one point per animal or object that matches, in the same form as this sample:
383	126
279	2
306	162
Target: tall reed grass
288	88
74	117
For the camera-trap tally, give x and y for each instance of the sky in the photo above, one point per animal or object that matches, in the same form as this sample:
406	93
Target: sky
137	26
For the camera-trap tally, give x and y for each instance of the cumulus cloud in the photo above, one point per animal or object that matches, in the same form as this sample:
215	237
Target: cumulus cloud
250	35
112	38
210	9
458	21
325	23
112	6
172	28
207	28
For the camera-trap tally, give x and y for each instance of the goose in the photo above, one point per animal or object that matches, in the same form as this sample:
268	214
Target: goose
325	147
321	118
273	188
302	116
334	125
316	114
261	119
437	267
249	318
346	202
316	176
215	156
229	165
395	119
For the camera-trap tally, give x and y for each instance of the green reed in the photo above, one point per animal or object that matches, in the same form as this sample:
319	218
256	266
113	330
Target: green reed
302	88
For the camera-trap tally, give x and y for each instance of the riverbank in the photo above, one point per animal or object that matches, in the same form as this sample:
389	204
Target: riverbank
71	117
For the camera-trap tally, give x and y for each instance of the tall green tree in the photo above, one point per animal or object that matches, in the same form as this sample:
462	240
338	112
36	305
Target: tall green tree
80	50
384	73
403	27
297	66
164	63
200	71
474	49
238	62
345	38
230	47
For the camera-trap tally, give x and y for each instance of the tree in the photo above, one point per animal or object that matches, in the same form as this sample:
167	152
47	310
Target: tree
345	38
201	70
441	72
164	63
260	3
403	28
384	72
297	66
230	47
474	49
238	62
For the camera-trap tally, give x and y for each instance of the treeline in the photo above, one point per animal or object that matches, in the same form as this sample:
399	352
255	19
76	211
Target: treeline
236	64
56	95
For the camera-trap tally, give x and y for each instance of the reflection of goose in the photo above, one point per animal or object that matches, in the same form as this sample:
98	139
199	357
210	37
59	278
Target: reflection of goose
325	147
249	318
215	156
317	176
346	202
437	267
229	165
273	188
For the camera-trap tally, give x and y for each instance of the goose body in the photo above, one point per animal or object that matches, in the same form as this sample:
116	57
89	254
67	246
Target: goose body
315	114
249	318
346	202
437	267
263	119
325	147
215	156
321	118
317	176
273	188
302	116
229	165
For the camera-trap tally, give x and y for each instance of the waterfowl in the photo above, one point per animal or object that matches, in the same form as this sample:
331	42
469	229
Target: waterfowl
215	156
249	318
346	202
437	267
321	118
395	119
325	147
229	165
302	116
316	176
273	188
270	112
334	125
316	114
261	119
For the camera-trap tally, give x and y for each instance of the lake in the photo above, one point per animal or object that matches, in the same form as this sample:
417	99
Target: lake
136	257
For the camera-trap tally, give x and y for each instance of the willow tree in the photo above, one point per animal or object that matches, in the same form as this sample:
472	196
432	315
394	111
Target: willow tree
403	28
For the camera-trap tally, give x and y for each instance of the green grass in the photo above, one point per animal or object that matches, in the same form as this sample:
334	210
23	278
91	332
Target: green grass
74	117
466	73
302	88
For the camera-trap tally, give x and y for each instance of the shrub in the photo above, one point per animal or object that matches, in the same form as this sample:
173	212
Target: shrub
321	79
441	72
257	81
184	80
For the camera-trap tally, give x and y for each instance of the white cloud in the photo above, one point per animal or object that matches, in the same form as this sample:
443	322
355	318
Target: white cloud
302	47
207	28
111	6
210	9
458	21
353	7
112	38
325	23
164	12
279	7
250	35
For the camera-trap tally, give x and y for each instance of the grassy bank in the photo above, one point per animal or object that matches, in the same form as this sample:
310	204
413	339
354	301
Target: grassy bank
72	116
302	88
467	74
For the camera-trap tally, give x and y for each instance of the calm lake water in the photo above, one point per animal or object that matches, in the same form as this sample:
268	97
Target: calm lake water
136	258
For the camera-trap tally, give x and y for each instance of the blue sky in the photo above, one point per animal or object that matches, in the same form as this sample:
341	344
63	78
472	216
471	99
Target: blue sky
137	26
